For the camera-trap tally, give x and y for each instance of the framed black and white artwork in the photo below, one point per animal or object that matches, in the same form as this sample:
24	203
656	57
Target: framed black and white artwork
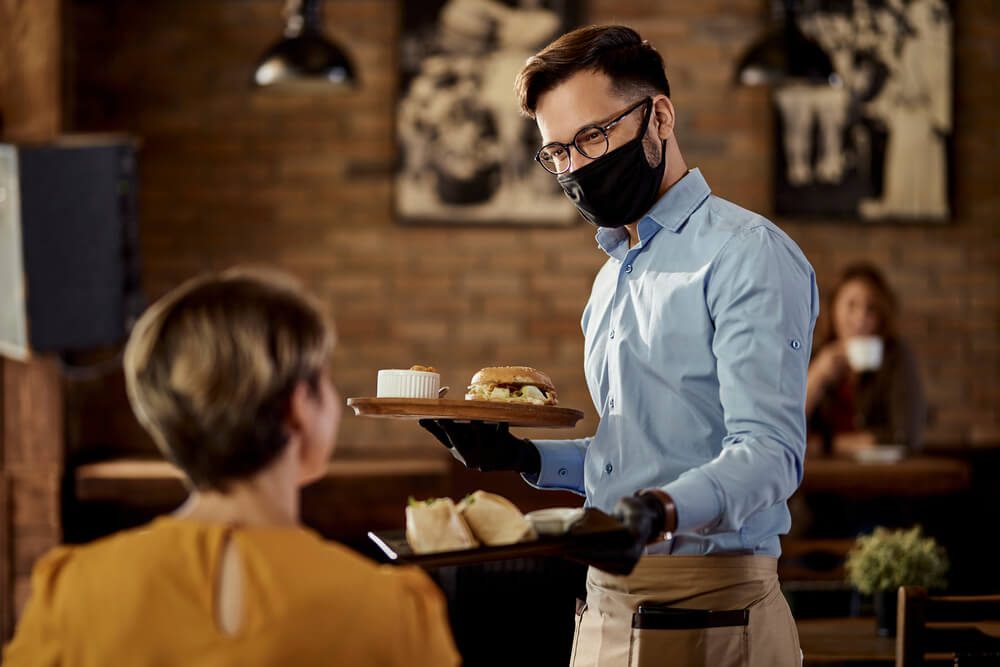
875	144
465	152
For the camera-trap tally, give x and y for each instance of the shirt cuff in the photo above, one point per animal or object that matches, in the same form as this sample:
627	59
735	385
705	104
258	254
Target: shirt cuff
562	467
696	499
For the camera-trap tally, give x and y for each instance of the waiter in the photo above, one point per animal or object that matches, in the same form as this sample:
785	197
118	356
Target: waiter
697	339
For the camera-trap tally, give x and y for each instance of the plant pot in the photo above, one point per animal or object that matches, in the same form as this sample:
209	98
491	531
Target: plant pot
885	612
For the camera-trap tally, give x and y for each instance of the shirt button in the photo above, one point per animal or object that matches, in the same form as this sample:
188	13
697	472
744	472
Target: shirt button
563	472
628	268
612	334
611	402
608	468
796	344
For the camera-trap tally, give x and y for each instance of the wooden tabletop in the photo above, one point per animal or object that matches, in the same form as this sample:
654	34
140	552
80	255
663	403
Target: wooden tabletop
853	641
110	480
912	476
830	641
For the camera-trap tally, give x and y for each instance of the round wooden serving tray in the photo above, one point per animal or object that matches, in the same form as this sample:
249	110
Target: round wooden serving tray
515	414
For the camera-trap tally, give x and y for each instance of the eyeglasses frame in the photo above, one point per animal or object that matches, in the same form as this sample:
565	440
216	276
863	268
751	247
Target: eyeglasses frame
603	129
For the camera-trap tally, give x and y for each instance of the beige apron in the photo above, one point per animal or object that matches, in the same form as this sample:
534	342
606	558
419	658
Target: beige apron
749	625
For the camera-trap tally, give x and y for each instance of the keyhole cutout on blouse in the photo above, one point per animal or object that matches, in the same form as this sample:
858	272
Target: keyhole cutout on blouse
229	589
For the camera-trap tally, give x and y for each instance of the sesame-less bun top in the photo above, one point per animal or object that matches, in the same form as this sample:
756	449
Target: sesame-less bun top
512	384
513	375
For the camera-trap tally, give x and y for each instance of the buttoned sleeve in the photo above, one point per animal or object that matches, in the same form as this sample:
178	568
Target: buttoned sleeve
763	301
562	465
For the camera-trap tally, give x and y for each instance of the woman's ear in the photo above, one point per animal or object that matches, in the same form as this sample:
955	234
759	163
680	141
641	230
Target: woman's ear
663	114
297	409
313	417
301	409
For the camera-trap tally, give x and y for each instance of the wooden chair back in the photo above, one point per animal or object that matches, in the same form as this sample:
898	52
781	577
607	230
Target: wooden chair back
946	626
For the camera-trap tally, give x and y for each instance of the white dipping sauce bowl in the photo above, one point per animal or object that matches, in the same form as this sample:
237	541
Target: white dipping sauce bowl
398	383
554	520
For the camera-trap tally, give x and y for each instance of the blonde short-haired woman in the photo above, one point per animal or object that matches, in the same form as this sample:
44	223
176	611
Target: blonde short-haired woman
228	374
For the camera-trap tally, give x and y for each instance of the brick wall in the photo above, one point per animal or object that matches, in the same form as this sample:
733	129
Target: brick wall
31	393
232	175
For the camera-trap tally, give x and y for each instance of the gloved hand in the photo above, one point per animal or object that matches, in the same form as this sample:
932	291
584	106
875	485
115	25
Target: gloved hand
647	516
485	446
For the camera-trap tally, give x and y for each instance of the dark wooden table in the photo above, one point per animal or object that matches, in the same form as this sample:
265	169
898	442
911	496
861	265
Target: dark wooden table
852	642
909	477
844	641
354	496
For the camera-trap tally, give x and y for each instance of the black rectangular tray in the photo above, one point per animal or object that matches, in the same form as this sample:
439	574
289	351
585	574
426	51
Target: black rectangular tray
595	530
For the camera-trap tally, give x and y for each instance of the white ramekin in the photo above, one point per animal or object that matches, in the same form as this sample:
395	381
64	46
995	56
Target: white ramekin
396	383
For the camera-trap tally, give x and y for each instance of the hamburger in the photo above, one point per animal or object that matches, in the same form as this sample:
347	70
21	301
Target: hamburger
512	384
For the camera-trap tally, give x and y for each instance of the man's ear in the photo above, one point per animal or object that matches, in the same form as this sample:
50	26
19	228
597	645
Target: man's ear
663	114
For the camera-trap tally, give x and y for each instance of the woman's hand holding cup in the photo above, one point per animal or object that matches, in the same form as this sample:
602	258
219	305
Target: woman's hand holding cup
830	364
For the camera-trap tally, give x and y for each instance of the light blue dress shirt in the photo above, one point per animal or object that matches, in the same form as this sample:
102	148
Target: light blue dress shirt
697	342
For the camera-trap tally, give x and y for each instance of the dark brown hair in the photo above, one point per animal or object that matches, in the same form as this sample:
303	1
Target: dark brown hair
632	64
885	301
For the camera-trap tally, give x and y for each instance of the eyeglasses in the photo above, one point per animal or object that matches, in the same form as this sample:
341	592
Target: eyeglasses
591	142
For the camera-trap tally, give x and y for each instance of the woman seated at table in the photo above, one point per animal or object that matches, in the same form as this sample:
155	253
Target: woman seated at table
228	374
863	387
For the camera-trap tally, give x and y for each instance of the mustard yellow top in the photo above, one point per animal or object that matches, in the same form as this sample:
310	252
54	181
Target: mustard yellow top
147	597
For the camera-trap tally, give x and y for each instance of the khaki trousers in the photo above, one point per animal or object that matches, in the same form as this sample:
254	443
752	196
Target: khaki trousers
750	624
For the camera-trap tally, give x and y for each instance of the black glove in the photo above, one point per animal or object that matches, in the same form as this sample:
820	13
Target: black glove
485	446
645	517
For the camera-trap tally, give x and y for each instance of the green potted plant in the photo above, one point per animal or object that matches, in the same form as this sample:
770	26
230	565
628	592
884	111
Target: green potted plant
880	563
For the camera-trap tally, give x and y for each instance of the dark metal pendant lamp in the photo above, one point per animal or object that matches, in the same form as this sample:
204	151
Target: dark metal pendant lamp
304	57
785	54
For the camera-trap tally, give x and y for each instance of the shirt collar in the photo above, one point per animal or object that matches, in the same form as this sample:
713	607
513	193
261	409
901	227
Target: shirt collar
680	201
670	212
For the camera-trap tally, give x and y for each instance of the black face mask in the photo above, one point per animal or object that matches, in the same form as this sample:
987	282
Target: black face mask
618	188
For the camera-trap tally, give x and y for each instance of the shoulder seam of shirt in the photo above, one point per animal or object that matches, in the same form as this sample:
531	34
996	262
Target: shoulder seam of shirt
757	222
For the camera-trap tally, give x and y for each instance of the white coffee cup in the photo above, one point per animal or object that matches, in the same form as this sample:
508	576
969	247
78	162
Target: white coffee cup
864	353
398	383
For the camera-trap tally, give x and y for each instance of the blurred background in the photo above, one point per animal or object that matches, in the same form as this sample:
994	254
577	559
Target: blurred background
226	172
